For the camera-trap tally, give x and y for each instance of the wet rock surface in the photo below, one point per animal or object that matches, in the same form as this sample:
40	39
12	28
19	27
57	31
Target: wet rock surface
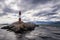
39	33
20	27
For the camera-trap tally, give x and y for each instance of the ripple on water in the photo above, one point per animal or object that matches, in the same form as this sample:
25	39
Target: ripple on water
41	32
6	35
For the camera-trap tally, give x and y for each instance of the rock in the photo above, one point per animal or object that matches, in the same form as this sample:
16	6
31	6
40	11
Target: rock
20	27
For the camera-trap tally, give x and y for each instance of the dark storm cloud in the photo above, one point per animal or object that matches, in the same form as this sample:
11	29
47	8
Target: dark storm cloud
3	14
55	10
57	7
49	14
52	17
44	14
32	4
27	5
6	9
2	0
40	1
36	1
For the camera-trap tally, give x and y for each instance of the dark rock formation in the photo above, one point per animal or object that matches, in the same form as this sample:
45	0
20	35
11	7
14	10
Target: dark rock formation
20	27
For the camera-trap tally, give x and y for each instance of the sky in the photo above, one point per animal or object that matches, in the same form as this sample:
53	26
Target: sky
32	10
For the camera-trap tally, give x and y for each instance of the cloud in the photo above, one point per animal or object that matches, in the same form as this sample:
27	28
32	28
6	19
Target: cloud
8	11
46	12
9	18
32	10
40	1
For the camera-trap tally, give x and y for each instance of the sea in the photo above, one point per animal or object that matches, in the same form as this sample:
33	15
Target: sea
39	33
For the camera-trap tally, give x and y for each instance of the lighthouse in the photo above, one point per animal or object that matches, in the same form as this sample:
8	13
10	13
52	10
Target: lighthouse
19	17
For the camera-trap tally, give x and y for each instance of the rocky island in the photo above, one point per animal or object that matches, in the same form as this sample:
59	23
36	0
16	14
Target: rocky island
20	26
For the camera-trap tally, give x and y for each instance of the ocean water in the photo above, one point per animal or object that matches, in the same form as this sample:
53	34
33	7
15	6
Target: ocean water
39	33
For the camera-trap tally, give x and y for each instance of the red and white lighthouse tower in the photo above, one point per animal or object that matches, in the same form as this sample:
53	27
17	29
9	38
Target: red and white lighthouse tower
19	16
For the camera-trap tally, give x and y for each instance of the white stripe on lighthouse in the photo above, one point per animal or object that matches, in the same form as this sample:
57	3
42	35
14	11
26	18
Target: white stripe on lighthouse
19	16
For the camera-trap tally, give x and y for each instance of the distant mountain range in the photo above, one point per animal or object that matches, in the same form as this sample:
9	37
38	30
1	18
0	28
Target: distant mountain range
50	23
42	22
56	23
